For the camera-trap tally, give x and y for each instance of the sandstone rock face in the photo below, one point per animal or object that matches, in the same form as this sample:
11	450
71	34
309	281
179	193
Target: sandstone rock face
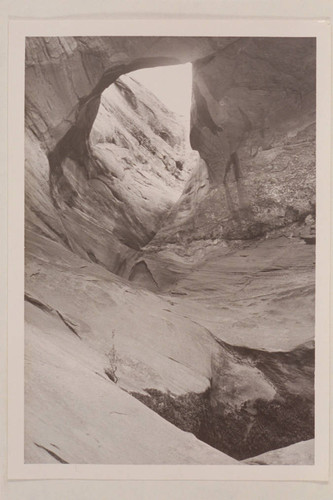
137	172
76	415
253	122
186	265
252	97
78	311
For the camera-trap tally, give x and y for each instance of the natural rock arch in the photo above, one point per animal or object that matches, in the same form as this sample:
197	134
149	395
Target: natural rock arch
247	93
97	62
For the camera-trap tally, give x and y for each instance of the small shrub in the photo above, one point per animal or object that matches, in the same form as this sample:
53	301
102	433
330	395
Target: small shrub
113	358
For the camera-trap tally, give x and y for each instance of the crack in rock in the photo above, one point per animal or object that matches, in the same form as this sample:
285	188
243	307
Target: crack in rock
50	452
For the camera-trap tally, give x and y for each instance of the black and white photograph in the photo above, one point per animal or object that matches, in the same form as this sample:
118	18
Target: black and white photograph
170	250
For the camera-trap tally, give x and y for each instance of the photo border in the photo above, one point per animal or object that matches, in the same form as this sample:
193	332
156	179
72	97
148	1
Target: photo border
18	30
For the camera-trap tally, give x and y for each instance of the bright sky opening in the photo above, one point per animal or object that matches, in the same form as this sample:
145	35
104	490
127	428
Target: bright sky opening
171	84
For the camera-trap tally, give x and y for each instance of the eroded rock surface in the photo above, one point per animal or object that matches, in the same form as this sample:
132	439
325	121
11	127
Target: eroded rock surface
192	270
135	149
253	116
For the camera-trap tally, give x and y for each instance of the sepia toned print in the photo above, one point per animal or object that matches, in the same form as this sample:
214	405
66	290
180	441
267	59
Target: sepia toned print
169	293
170	260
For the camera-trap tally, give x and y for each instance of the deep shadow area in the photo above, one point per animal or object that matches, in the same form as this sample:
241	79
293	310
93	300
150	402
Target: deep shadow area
243	433
258	425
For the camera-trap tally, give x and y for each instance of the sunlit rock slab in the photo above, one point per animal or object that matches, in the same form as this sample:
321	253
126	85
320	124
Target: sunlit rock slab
260	295
157	348
76	415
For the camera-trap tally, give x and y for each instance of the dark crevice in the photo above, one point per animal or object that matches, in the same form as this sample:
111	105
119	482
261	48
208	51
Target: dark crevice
110	373
309	240
50	452
69	324
37	303
48	309
257	425
55	446
92	257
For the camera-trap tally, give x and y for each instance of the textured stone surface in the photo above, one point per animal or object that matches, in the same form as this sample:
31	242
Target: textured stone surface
220	299
137	170
252	96
77	312
255	99
78	416
258	294
296	454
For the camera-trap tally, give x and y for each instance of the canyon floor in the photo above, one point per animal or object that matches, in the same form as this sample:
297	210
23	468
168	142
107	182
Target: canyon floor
237	323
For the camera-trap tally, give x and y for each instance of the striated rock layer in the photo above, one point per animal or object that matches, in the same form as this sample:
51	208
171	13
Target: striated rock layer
138	168
156	275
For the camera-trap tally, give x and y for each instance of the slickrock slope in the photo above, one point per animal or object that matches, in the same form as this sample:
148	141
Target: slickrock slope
222	394
258	294
158	277
77	415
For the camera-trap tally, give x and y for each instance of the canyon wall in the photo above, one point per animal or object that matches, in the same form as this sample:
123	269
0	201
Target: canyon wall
252	122
119	310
